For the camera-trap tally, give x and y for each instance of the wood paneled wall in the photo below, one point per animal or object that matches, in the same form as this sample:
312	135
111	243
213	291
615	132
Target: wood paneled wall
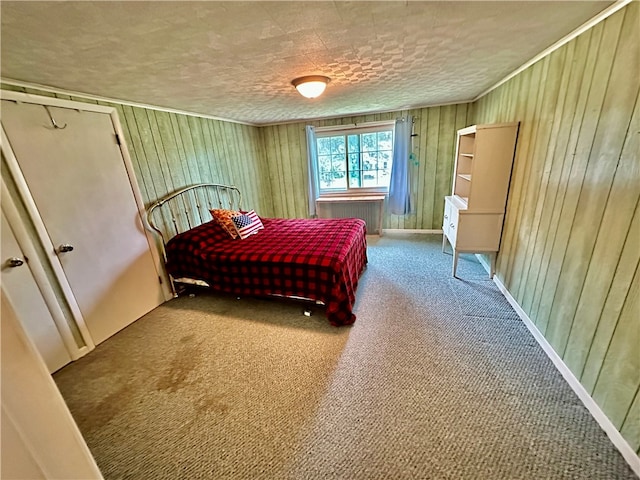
433	147
571	241
570	249
269	164
170	151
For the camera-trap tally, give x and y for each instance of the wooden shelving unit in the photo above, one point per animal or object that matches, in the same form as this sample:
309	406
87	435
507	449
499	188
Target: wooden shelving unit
474	213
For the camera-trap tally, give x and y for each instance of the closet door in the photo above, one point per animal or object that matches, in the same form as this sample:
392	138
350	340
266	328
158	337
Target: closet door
76	176
20	286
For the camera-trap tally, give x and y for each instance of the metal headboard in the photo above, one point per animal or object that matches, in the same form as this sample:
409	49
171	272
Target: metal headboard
189	207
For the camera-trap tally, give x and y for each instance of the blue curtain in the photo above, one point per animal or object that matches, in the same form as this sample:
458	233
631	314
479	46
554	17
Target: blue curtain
314	181
400	182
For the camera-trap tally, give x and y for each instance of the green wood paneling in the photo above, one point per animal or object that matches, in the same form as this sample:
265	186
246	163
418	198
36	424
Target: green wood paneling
570	249
631	426
434	147
614	391
602	161
554	155
529	216
598	339
617	236
569	127
169	151
528	111
426	171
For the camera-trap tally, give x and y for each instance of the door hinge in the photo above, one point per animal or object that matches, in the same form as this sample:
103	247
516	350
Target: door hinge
118	139
160	279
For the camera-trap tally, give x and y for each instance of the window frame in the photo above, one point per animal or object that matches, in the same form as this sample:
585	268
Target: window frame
352	129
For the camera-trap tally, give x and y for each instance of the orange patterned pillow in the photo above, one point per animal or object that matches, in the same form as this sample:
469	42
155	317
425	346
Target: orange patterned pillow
224	219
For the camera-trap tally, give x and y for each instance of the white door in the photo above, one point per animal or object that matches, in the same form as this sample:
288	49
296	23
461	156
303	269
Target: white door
39	436
20	286
78	181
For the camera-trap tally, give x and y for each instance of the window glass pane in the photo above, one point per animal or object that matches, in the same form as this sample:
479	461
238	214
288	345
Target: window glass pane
355	160
332	163
324	163
355	178
369	141
354	143
324	145
385	140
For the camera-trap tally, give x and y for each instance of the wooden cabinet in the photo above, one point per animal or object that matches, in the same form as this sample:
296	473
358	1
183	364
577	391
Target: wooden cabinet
474	212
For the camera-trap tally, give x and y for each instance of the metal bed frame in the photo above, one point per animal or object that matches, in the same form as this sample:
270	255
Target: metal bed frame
189	207
186	208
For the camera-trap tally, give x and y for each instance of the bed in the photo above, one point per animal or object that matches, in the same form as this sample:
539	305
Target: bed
319	260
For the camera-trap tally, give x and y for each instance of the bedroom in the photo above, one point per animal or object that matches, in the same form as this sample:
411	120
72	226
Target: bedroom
586	309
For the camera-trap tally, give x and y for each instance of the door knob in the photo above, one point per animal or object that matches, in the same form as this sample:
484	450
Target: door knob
14	262
65	247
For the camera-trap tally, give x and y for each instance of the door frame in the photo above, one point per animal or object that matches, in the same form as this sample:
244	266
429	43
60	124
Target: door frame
32	211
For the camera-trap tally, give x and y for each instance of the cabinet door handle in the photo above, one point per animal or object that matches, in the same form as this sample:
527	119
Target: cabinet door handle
14	262
452	225
446	217
65	247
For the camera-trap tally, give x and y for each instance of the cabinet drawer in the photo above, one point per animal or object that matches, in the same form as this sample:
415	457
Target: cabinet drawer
450	220
454	219
446	219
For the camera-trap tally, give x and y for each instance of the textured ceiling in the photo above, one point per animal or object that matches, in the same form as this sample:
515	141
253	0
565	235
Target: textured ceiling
235	60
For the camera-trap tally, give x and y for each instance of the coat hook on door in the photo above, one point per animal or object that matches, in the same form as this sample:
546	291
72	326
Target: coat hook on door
53	121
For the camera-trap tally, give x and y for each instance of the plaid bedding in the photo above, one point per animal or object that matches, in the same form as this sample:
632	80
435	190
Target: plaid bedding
319	259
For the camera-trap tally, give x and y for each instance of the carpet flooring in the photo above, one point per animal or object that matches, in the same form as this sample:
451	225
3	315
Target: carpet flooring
437	379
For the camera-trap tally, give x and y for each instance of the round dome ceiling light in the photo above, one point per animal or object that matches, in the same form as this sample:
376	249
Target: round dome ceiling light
311	86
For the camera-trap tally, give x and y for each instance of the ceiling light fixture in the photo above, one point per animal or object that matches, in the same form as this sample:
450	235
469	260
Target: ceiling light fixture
311	86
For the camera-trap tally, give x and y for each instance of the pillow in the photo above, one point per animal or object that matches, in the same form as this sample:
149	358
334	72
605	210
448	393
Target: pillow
223	217
247	223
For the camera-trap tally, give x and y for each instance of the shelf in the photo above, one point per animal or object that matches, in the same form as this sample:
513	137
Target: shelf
475	210
351	198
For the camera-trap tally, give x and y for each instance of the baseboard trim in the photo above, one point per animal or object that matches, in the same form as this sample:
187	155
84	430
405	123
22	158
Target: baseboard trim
596	412
483	262
409	230
82	351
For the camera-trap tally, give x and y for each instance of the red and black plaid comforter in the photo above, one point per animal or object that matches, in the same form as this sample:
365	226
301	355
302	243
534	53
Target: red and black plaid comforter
316	259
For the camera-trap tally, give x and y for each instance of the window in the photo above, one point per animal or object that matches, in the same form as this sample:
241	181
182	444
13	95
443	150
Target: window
355	158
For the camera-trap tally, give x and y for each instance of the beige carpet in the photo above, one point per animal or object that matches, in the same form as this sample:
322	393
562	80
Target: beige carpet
437	379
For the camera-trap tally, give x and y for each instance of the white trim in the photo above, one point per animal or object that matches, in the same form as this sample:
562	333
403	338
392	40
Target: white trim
43	236
376	126
99	98
21	97
412	230
151	240
373	112
355	194
607	12
483	262
83	351
596	412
